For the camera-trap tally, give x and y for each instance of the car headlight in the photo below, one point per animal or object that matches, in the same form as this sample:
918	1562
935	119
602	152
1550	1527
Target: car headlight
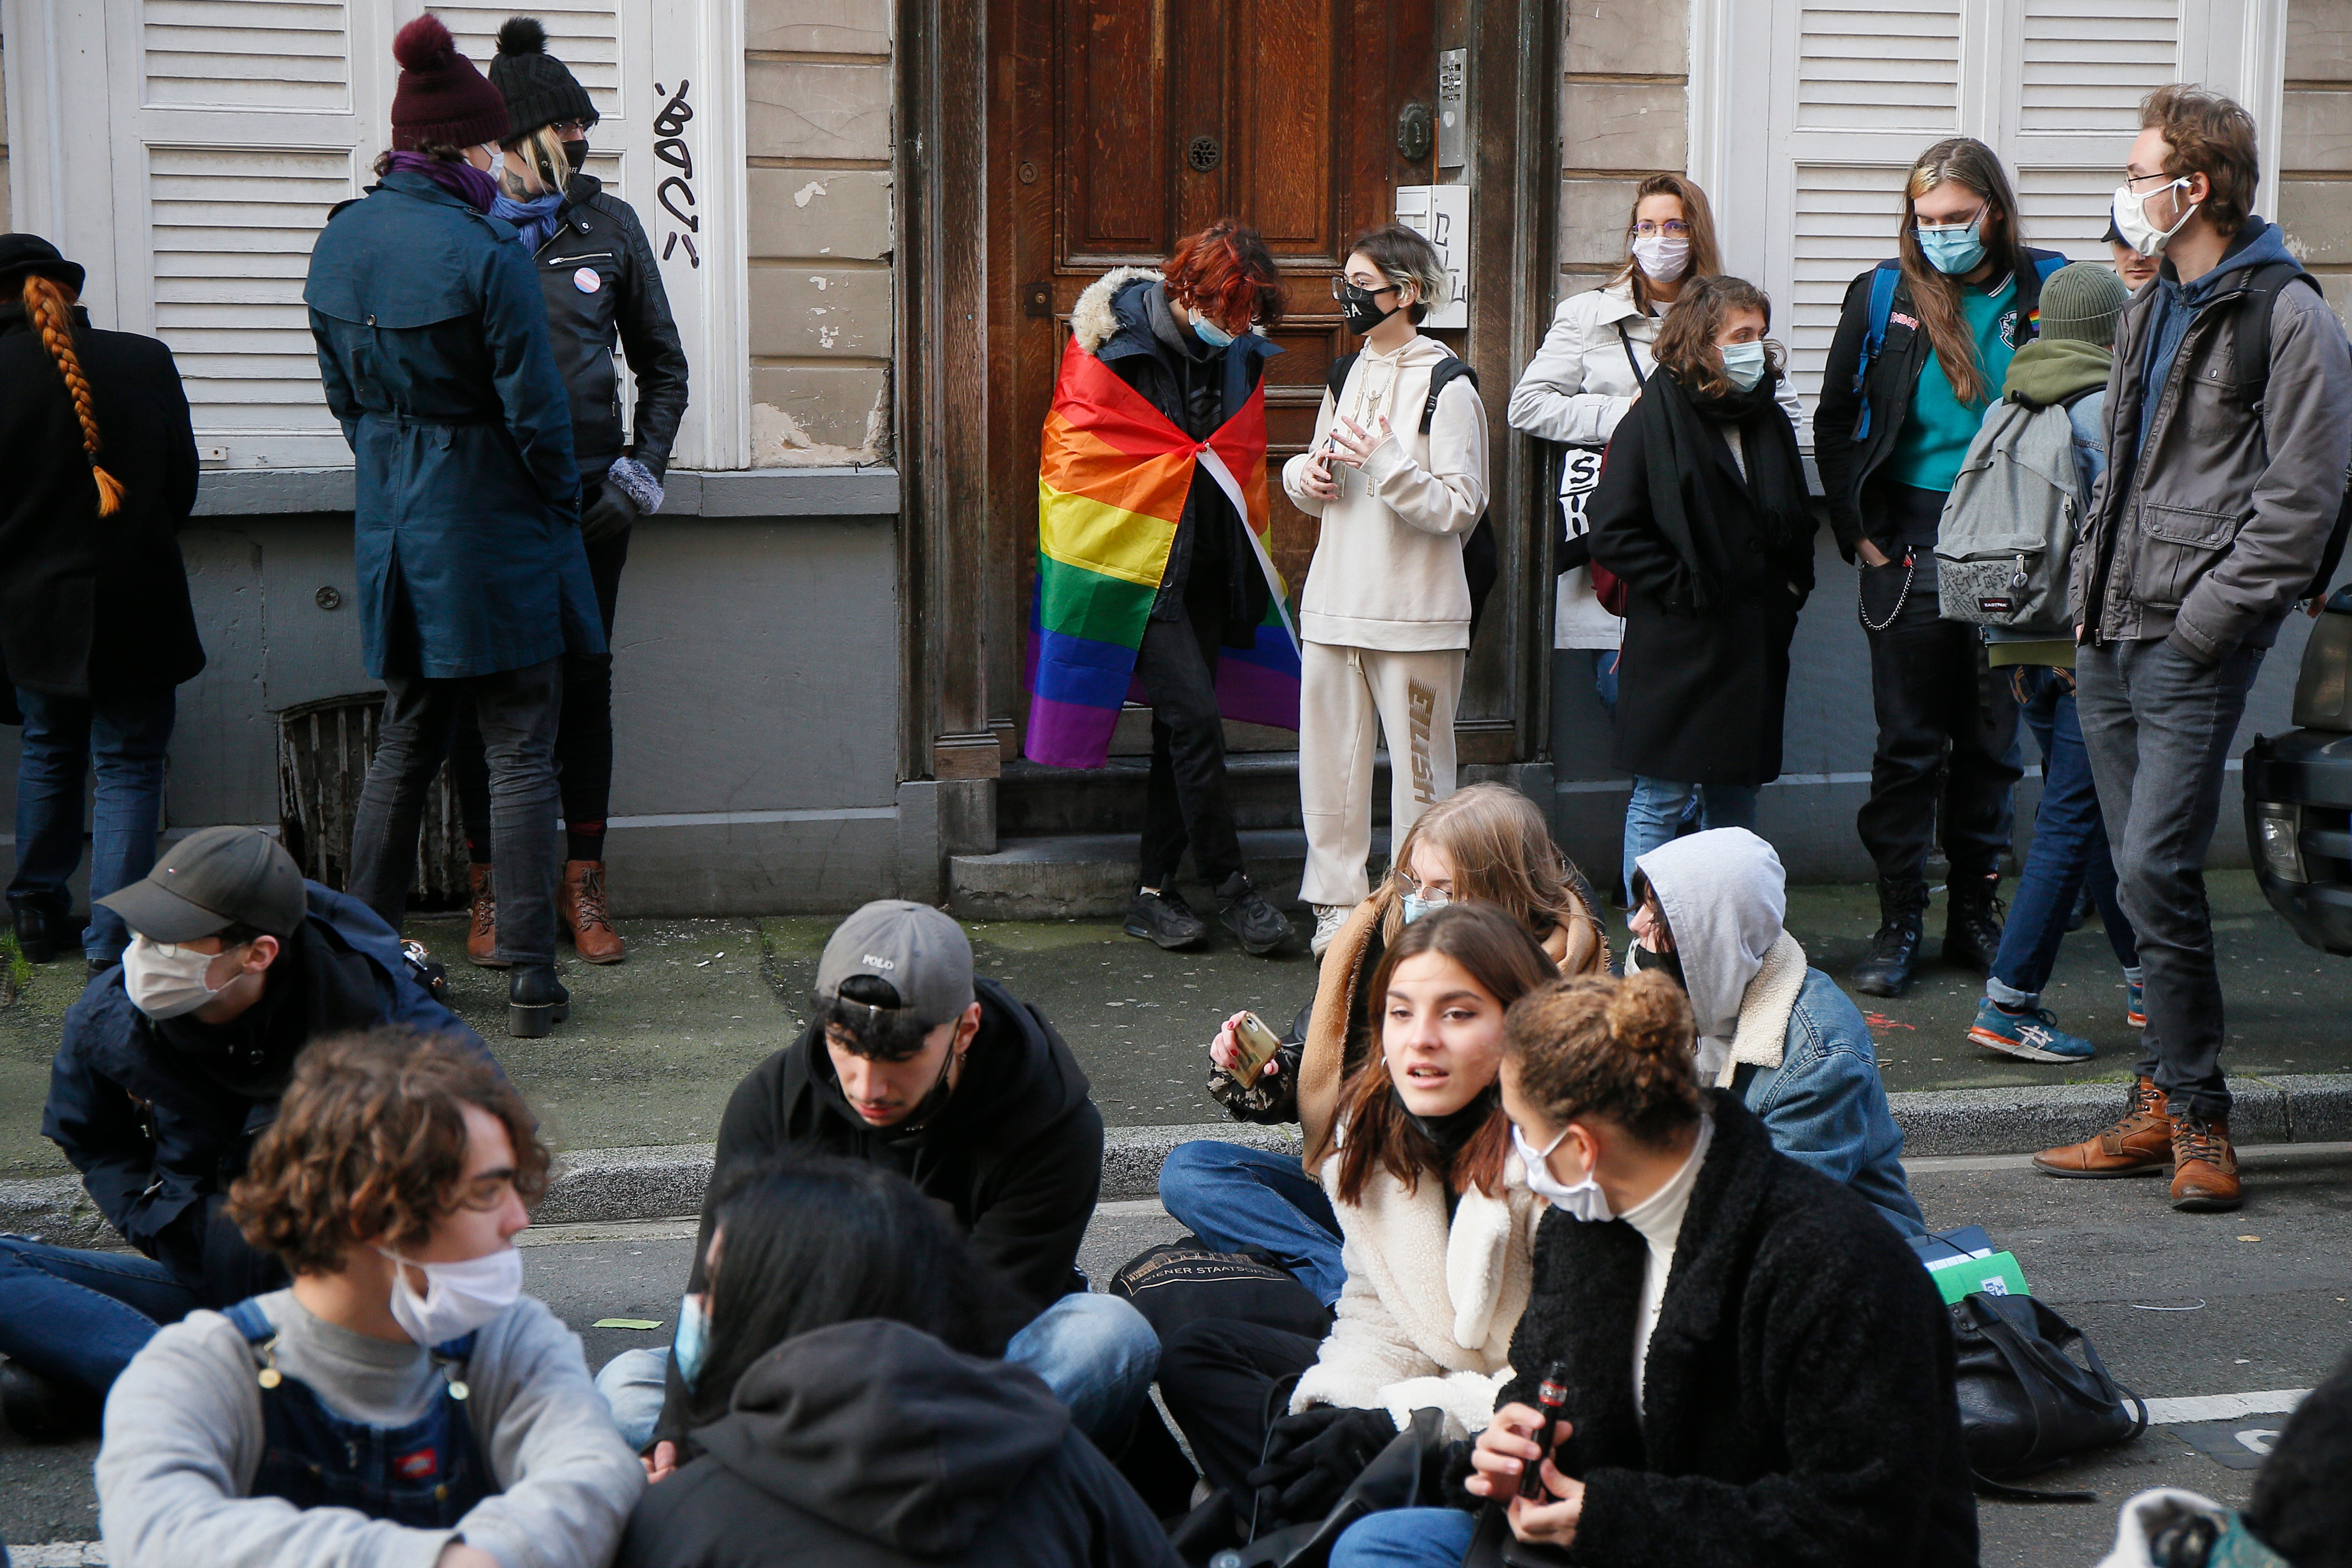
2280	829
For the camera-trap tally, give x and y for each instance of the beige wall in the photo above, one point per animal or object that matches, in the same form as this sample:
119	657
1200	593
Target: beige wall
4	208
2314	195
1625	113
817	90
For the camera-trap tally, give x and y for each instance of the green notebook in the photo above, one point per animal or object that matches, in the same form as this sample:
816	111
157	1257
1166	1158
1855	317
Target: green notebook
1996	1276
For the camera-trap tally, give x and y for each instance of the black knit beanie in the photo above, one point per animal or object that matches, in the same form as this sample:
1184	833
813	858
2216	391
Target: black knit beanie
539	89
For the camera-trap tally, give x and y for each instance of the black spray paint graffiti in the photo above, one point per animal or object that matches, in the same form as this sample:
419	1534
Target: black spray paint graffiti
670	126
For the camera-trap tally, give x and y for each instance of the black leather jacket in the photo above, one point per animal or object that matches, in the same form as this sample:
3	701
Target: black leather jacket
601	233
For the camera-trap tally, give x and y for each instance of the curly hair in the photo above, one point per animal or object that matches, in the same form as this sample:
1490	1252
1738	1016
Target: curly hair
1616	1049
49	305
369	1145
1685	347
1227	274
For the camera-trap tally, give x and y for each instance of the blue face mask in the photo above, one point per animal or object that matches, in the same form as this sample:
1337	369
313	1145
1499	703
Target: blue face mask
1208	332
1743	363
1953	250
693	1340
1414	906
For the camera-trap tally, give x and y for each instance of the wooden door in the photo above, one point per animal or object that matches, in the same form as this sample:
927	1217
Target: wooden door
1117	127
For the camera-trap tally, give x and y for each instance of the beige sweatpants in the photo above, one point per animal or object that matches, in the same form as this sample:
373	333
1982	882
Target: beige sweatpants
1344	693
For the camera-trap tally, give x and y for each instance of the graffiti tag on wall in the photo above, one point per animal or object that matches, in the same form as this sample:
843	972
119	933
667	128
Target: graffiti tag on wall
669	127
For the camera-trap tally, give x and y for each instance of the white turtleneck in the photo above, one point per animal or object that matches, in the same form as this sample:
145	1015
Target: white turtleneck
1659	1218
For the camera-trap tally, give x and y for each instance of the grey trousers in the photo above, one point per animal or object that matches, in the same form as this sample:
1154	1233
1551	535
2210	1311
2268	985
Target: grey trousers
2158	727
516	710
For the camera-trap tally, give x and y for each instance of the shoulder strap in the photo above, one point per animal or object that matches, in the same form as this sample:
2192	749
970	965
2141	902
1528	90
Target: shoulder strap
251	1321
2254	364
1446	372
2044	266
1337	375
1883	280
1631	359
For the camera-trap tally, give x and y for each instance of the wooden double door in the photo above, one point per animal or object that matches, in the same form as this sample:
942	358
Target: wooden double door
1117	127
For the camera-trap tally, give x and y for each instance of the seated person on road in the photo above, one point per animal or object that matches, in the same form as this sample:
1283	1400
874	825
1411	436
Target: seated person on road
911	1064
852	1404
1780	1036
404	1402
1439	1223
1756	1371
170	1067
1484	844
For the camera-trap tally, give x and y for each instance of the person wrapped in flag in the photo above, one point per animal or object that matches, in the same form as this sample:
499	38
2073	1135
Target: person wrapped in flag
1152	571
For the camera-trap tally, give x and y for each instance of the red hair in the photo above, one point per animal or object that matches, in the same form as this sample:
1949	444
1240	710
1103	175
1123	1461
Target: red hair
1227	273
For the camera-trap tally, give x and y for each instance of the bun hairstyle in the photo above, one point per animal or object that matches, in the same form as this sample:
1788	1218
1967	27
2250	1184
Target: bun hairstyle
49	305
1619	1051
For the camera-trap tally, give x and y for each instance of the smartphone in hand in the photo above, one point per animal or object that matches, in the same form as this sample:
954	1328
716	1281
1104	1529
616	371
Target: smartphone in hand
1257	1045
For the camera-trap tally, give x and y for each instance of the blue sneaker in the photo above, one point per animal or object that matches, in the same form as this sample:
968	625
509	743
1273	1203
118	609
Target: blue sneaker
2032	1037
2135	1004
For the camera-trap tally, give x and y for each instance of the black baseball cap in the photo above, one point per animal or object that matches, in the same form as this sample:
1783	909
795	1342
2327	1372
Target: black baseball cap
213	878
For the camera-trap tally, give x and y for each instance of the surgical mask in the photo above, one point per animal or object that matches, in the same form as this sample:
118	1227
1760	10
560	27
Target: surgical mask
458	1297
693	1341
1581	1200
1663	258
2131	219
1360	308
1208	332
1743	363
165	981
1414	906
1952	251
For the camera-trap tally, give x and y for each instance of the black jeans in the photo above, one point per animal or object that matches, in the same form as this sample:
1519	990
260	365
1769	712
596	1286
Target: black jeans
1947	745
583	734
2158	727
1186	801
1226	1382
515	710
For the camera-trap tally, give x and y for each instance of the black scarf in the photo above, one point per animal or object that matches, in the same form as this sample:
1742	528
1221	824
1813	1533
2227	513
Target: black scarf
1717	521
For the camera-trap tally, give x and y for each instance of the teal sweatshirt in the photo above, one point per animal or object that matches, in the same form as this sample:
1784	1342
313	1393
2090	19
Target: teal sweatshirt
1939	426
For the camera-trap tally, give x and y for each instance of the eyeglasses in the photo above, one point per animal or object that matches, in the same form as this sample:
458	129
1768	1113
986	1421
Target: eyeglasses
1341	283
1427	895
1673	229
1957	225
569	129
2134	180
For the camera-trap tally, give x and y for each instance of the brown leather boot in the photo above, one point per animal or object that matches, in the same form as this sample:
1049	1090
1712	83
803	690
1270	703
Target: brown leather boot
583	906
482	921
2138	1145
2204	1166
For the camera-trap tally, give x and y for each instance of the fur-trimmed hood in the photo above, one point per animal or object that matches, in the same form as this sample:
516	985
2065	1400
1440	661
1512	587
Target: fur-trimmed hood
1092	321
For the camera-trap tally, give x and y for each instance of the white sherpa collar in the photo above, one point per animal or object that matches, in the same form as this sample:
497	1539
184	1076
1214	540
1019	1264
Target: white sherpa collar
1091	320
1764	1009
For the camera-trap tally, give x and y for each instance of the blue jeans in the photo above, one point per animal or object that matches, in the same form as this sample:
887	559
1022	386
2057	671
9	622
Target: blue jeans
2069	849
1406	1538
1095	1352
1655	814
79	1317
1232	1197
125	737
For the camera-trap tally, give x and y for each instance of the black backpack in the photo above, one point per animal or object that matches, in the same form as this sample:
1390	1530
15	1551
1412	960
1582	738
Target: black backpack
1481	563
2253	367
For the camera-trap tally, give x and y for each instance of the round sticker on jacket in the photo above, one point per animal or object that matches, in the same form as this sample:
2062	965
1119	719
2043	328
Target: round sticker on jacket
586	280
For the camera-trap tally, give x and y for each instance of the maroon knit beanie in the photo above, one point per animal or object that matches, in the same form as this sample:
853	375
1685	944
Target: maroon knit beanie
442	101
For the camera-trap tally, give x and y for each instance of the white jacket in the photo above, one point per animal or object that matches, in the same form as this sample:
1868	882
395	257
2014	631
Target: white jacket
1387	572
1428	1311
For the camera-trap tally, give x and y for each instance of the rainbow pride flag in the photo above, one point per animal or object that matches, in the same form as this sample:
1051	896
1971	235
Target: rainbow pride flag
1110	487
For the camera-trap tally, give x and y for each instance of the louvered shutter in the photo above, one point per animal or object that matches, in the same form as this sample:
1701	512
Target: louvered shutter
2083	68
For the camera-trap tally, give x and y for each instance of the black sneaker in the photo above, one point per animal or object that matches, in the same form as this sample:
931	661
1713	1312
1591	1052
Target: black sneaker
44	1410
536	1000
40	932
1972	920
1885	971
1258	925
1163	919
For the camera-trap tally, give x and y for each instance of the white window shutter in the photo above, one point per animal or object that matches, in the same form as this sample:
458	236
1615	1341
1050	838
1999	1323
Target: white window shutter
1879	64
1845	224
2087	63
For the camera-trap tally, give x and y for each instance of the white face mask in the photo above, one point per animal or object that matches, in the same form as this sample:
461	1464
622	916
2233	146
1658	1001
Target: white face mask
1743	363
1582	1200
165	981
1662	257
2131	218
458	1297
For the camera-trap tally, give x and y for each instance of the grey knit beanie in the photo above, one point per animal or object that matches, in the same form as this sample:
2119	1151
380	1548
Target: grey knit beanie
2081	302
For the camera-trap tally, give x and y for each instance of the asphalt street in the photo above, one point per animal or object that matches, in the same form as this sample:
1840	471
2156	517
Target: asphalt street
2181	1305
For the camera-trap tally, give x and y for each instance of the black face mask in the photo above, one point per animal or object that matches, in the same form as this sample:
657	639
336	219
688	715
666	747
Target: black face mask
1669	965
576	153
1452	1134
1360	308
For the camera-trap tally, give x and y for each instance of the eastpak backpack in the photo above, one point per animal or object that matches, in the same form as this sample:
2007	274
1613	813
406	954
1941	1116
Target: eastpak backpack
2005	545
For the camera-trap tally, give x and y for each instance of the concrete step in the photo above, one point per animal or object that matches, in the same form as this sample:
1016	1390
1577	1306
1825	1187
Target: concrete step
1035	801
1091	876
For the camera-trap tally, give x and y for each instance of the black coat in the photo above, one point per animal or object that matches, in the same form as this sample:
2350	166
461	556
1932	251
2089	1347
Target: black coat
871	1445
1798	1398
1015	1154
599	233
94	605
1701	690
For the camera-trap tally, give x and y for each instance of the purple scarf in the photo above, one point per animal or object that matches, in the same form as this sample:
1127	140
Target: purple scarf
455	175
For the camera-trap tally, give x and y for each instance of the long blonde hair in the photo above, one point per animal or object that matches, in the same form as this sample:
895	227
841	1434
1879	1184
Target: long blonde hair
49	305
1969	163
543	150
1502	854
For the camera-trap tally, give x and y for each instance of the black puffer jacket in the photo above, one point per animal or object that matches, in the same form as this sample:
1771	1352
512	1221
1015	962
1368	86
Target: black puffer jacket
600	233
1798	1399
872	1445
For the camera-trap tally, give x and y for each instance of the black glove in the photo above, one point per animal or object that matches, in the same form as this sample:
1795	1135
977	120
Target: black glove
1312	1458
608	514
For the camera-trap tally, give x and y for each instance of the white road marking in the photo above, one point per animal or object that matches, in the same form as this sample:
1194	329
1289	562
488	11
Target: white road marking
2224	1407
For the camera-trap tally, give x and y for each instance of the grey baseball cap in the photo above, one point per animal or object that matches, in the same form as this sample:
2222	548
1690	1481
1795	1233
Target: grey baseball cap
921	951
215	878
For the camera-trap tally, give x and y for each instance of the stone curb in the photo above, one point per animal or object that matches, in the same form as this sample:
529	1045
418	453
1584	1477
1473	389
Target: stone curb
603	1185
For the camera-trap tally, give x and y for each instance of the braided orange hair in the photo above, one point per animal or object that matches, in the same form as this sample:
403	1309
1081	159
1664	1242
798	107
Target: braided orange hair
46	305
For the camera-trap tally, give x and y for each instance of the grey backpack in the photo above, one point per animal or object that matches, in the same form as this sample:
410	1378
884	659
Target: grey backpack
2005	543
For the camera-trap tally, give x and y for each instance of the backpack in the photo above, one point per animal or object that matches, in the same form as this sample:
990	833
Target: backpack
1481	563
1884	277
2254	367
2005	545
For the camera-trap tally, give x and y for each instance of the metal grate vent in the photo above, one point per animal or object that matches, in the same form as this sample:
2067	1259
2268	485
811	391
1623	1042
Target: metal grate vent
323	752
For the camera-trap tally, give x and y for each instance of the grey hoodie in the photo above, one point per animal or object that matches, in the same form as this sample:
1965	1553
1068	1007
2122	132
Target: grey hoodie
1724	896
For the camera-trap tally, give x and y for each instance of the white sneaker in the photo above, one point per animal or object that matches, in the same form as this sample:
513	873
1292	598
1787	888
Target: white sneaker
1328	919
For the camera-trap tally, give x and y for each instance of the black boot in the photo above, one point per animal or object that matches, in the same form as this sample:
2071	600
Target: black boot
1260	927
1972	920
1886	969
44	1410
536	1000
40	931
1161	916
